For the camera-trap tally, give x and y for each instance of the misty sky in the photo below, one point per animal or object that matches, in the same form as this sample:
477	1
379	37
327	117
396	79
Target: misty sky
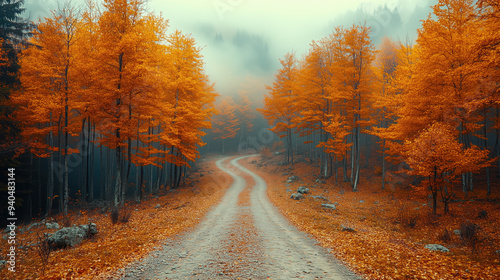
243	39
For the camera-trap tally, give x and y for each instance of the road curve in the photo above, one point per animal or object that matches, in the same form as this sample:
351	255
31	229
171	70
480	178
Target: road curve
240	241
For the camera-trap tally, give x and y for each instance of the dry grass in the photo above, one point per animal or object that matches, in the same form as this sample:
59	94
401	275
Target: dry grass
392	226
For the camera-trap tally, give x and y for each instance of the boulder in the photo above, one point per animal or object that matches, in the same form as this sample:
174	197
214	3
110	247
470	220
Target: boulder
436	247
72	236
32	226
297	196
320	197
349	229
293	178
329	206
53	225
303	190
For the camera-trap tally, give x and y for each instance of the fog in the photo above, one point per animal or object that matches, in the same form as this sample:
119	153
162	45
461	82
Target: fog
243	40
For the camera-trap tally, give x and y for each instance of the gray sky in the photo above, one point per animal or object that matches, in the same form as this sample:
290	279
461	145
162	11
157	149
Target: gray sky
243	39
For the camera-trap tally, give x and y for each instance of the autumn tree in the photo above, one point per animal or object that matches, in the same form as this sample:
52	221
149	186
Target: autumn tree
13	33
356	82
488	48
225	124
440	91
126	42
49	89
437	156
313	101
279	104
192	98
246	114
383	96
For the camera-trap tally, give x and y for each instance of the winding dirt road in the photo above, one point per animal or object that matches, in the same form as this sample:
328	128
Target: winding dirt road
241	239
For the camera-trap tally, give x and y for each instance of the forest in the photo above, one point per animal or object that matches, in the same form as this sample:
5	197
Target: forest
104	104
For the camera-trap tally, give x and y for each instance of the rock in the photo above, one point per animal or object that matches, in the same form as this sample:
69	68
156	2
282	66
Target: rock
297	196
456	232
320	181
276	153
349	229
157	206
320	197
52	225
289	181
497	252
303	190
72	236
2	262
254	161
436	247
341	192
361	201
289	190
5	237
293	178
32	226
329	206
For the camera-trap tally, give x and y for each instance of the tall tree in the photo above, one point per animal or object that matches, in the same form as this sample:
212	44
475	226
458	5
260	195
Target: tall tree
49	89
13	33
225	124
383	96
279	104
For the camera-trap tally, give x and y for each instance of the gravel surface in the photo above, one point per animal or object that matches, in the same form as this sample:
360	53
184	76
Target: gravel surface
240	241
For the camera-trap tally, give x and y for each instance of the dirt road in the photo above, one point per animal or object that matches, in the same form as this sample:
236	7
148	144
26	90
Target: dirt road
240	239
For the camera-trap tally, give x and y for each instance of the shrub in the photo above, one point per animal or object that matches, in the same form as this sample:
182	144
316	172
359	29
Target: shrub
66	221
445	236
120	215
126	214
115	214
407	218
43	250
469	234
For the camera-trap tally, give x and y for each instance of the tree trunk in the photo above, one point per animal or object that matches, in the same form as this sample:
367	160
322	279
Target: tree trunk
50	183
66	171
383	164
91	162
118	180
84	154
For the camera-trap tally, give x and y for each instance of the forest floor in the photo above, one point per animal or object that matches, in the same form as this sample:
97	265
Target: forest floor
391	226
116	245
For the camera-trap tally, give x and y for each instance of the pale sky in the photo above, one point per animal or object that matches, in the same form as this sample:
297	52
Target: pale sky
243	39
